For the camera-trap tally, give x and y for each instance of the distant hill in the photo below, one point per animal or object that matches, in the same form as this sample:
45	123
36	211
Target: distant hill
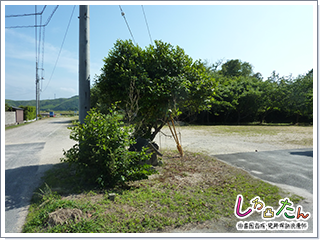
59	104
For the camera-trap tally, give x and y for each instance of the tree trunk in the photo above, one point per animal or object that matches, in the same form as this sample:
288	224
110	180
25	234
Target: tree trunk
156	131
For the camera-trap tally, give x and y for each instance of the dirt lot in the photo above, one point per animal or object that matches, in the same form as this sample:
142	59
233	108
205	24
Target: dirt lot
215	140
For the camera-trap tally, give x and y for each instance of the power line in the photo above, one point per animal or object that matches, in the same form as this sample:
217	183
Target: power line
38	42
145	18
36	38
64	38
27	14
48	20
42	73
122	13
39	38
51	15
42	61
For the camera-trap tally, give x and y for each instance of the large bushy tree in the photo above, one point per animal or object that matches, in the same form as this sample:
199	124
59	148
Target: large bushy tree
236	68
149	82
238	91
300	100
238	95
274	96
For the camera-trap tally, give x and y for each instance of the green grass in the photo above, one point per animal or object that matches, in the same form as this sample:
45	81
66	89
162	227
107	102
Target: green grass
18	125
192	189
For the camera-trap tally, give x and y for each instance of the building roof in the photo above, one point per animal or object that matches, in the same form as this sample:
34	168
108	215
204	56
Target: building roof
16	108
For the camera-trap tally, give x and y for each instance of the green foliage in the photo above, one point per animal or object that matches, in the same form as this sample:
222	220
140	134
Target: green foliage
236	68
294	97
29	112
300	99
8	107
274	95
150	82
101	154
243	96
238	94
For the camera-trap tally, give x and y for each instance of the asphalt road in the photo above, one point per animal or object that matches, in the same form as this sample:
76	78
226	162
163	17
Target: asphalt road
30	150
291	170
289	167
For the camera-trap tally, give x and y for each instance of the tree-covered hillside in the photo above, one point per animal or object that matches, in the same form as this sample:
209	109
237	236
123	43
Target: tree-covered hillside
59	104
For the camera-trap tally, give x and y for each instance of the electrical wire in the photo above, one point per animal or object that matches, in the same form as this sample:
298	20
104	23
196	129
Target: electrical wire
42	73
48	20
39	38
36	38
123	15
27	14
64	38
145	18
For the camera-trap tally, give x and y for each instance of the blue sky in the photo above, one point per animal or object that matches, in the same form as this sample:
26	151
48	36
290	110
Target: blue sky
270	37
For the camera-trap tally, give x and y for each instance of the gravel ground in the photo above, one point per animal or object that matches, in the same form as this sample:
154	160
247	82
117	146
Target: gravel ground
216	140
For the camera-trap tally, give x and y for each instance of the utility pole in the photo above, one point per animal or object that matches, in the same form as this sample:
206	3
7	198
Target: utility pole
84	62
37	92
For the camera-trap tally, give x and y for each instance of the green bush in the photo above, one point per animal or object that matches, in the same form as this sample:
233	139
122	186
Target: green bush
29	112
101	154
8	107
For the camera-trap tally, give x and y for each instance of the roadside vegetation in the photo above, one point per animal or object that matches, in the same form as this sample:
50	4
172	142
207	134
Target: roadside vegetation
17	125
101	154
188	190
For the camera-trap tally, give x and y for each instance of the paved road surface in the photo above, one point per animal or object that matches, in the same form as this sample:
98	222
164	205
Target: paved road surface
290	167
30	150
291	170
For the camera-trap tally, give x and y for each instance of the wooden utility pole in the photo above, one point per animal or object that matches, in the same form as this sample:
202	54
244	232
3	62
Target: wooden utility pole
84	62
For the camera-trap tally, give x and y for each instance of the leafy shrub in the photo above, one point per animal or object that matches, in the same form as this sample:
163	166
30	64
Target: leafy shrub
101	154
8	107
29	112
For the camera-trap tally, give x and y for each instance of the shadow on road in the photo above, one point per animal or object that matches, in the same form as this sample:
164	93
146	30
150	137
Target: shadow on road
61	122
304	153
20	183
69	122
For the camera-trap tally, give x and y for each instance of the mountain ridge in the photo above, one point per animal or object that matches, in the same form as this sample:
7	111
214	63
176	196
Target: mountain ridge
59	104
